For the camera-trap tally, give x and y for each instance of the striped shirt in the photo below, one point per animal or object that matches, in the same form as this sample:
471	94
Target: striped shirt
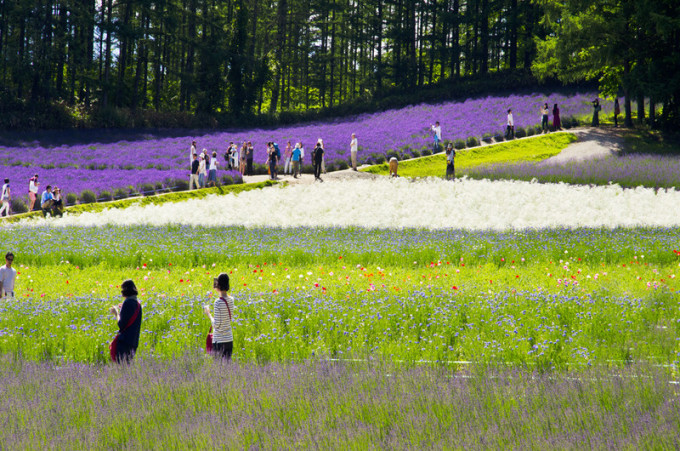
222	320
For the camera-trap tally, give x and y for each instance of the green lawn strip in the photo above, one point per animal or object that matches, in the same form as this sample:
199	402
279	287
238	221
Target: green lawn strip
533	149
151	200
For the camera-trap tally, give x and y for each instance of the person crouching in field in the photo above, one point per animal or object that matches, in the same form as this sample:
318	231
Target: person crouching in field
394	166
223	338
450	162
129	318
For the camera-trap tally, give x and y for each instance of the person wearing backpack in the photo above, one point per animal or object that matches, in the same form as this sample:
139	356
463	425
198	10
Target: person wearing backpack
277	153
222	336
129	318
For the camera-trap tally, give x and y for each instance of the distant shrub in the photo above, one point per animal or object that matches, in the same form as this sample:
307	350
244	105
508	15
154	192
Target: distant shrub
120	193
88	197
538	129
438	149
415	153
260	169
342	165
180	185
147	189
499	137
472	141
71	199
531	131
128	167
306	169
391	153
487	138
17	205
520	132
105	196
459	144
427	152
404	156
227	180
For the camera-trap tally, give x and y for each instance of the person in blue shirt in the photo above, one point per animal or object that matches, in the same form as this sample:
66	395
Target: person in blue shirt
47	200
296	157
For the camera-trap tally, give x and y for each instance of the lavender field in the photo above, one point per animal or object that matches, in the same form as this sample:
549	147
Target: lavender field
106	163
196	403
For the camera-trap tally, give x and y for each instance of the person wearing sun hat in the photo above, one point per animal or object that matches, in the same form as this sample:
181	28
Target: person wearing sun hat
128	315
58	205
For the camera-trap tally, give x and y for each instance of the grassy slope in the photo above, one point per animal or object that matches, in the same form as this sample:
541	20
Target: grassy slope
533	149
150	200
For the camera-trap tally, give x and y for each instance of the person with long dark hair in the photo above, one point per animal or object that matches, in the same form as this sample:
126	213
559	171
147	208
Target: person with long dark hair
596	113
128	315
544	118
557	122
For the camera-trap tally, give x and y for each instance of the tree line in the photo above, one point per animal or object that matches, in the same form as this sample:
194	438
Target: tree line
241	57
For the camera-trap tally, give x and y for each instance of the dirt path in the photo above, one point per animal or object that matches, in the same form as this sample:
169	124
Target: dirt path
593	143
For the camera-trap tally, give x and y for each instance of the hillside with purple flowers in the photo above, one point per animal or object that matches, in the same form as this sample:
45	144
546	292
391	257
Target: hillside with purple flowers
106	165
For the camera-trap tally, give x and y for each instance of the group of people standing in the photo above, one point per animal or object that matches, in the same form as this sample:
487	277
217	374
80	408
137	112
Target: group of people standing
204	166
50	200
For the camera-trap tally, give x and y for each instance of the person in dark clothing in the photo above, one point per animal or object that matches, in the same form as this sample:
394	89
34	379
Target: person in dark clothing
617	111
193	179
249	158
596	113
317	158
129	318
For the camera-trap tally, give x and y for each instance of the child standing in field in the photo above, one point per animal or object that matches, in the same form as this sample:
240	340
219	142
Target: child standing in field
129	318
436	128
223	338
33	185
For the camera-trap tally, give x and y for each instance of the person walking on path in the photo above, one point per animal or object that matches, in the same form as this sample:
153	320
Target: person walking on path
353	149
437	129
33	185
323	156
617	111
544	118
129	318
557	122
212	173
193	178
450	162
596	113
287	158
7	277
296	157
510	131
201	171
223	337
6	197
272	160
317	158
250	152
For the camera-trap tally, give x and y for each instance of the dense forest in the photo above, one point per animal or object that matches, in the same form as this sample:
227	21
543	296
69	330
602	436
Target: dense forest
242	58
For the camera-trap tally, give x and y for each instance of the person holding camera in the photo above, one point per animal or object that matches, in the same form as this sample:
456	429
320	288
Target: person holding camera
223	338
128	315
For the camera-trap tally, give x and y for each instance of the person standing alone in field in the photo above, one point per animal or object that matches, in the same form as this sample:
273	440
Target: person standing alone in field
617	111
7	277
317	159
129	318
6	197
510	132
596	113
33	185
353	149
223	337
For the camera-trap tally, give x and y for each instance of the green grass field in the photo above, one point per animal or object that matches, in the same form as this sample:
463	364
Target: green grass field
522	150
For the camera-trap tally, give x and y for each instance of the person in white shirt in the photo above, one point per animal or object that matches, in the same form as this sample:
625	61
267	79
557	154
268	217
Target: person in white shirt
33	185
192	151
7	276
353	149
544	118
5	196
212	172
436	128
223	337
510	132
201	171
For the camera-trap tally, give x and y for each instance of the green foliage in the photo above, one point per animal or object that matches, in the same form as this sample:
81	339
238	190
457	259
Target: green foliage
534	149
472	141
17	205
459	144
88	197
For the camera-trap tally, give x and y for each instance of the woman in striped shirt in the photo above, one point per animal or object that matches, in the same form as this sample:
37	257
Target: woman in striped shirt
223	339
